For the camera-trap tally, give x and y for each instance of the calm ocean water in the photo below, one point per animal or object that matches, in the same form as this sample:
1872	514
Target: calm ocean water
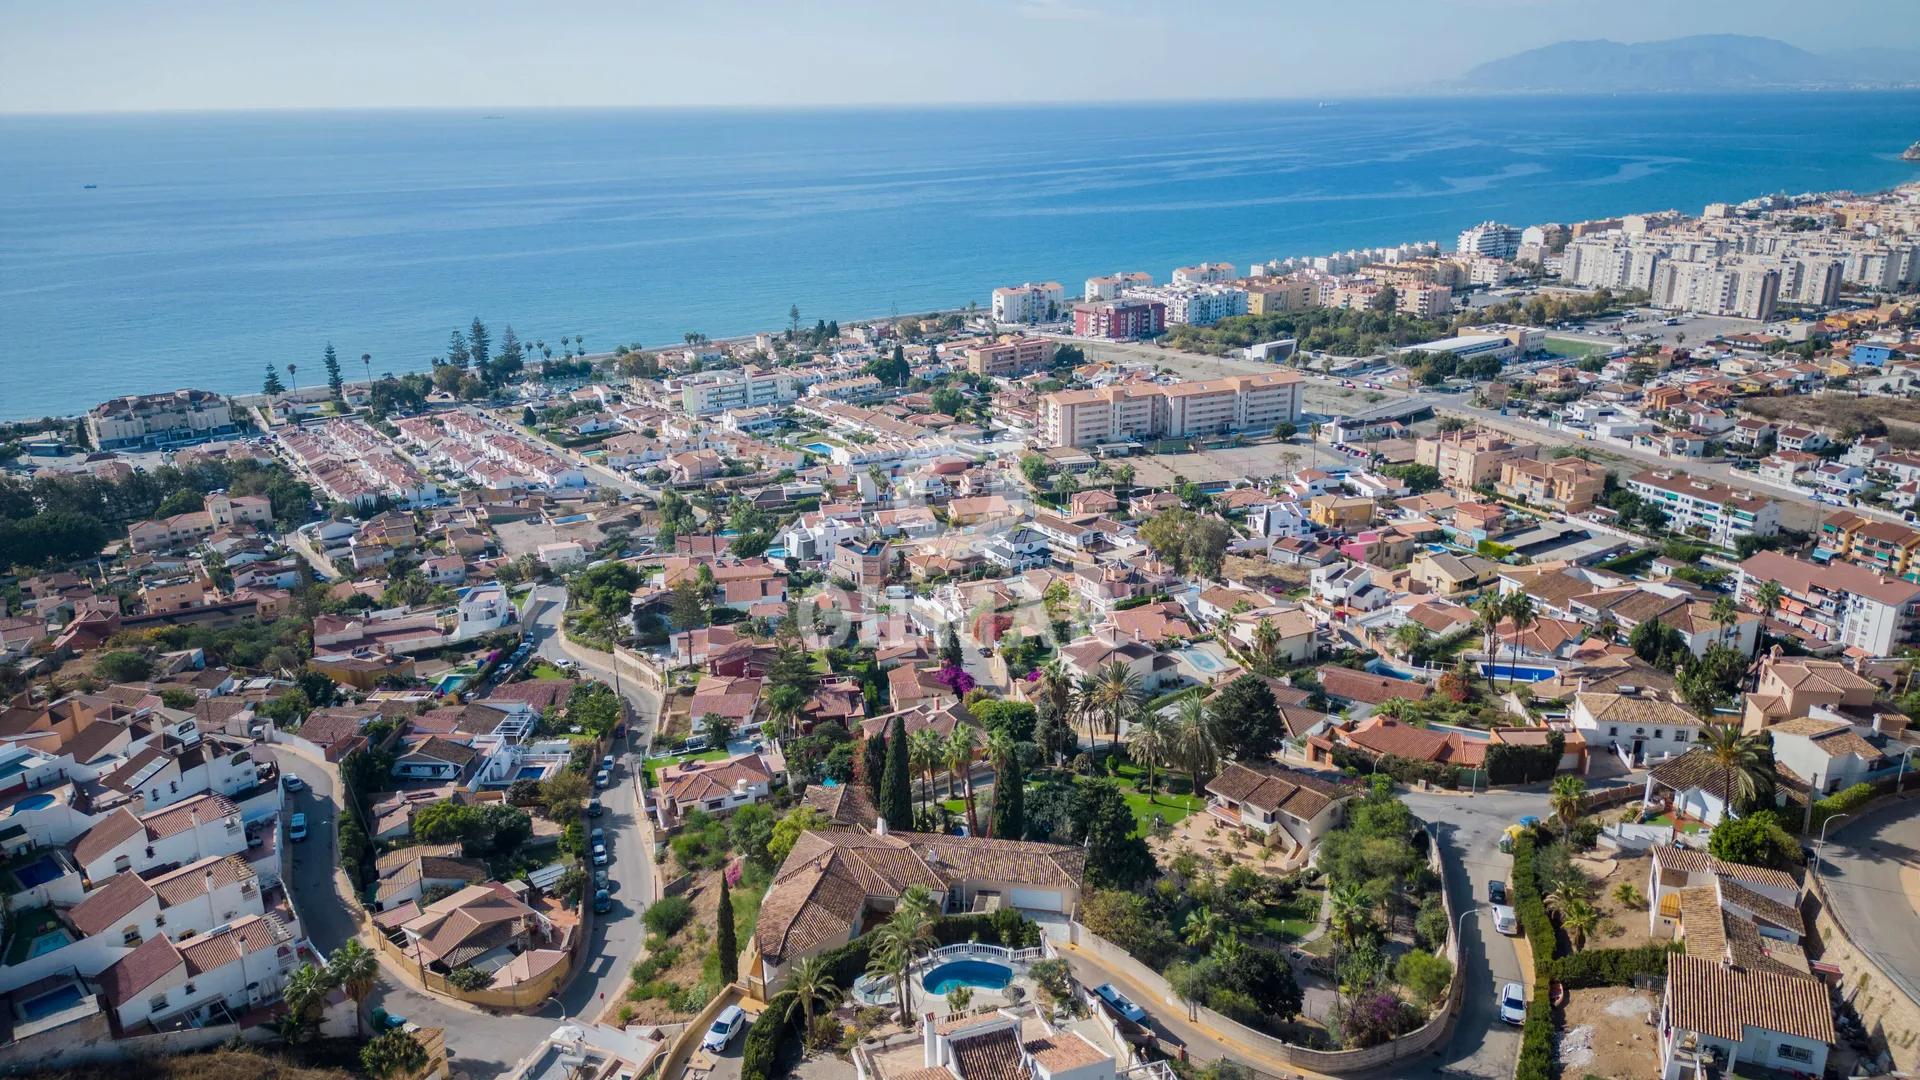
216	243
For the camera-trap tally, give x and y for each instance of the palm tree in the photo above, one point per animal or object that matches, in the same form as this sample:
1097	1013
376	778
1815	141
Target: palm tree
899	942
1519	609
1767	597
1350	910
1408	636
1488	609
1726	613
1056	685
1606	628
1194	739
812	985
366	361
1266	644
925	753
962	747
304	995
1568	798
1740	759
1202	927
294	383
1149	736
355	969
1115	689
1578	918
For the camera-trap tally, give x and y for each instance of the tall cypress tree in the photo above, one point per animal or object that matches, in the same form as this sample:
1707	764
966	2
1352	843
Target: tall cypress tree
1009	805
723	942
875	762
273	385
896	796
334	380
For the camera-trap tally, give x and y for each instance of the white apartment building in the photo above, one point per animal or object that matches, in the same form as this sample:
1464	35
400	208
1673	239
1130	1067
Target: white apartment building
1028	303
1131	411
1741	290
744	389
1112	286
1840	602
1198	305
1211	273
1722	514
179	416
1489	238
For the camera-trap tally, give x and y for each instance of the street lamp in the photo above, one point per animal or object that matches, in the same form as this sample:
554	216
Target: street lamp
1819	848
1460	931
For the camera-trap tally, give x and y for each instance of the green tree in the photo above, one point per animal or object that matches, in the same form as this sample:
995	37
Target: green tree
394	1053
331	362
1115	856
896	804
813	987
479	344
1741	759
1247	719
1424	975
724	943
354	969
122	666
273	387
873	765
787	831
1755	840
1568	800
1009	820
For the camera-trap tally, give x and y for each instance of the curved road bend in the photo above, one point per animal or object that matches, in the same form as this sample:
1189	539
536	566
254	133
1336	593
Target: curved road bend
486	1044
1871	871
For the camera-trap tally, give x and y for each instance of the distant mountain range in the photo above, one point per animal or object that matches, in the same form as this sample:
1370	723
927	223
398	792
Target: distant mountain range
1703	63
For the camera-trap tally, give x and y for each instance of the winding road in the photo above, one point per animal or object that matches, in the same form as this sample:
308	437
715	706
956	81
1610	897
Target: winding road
485	1043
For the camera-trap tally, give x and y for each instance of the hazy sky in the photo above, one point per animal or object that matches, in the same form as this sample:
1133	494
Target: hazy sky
95	55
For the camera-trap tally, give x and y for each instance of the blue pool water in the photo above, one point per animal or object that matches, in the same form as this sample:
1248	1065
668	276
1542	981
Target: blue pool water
34	802
819	448
52	1002
38	872
1516	672
1381	667
530	772
48	942
1202	660
983	974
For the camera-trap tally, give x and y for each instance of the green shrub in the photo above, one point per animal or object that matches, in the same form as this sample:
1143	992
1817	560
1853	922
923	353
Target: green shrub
665	917
1613	967
1840	802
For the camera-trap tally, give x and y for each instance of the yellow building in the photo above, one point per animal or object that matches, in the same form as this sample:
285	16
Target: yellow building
1340	511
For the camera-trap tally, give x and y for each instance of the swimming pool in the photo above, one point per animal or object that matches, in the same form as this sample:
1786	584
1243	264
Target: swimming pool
38	872
983	974
1380	667
530	772
1202	660
49	942
819	448
34	802
51	1002
1516	672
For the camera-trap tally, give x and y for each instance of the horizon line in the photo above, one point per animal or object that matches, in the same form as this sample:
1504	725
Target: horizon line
1405	94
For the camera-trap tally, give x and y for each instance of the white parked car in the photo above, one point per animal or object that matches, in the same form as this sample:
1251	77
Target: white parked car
1513	1004
725	1027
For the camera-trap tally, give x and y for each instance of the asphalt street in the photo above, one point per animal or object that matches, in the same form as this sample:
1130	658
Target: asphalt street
1870	868
486	1044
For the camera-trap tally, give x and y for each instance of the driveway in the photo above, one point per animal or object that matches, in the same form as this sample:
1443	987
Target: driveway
1870	868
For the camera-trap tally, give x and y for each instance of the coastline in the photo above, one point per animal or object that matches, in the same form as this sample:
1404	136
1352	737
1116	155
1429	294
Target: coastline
374	268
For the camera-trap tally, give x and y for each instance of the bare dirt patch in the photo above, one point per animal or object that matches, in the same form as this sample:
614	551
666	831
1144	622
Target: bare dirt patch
1607	1035
1838	413
1621	926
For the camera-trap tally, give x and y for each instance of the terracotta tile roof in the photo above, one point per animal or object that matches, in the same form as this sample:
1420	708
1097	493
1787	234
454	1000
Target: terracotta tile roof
243	937
105	906
696	780
1400	740
842	804
139	969
1723	1001
444	750
1784	916
179	886
993	1056
1276	789
1066	1050
1690	862
190	814
107	833
1368	688
1639	709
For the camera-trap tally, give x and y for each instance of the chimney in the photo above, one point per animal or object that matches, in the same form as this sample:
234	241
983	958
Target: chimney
207	876
929	1042
880	826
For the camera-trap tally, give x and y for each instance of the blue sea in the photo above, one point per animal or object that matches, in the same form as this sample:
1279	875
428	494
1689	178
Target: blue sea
215	244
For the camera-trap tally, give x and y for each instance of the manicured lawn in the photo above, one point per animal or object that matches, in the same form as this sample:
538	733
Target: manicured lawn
1575	349
1685	826
27	928
654	765
1171	807
547	672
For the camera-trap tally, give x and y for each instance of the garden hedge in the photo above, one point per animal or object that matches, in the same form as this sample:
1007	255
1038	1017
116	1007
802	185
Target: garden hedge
1841	802
1613	967
774	1031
